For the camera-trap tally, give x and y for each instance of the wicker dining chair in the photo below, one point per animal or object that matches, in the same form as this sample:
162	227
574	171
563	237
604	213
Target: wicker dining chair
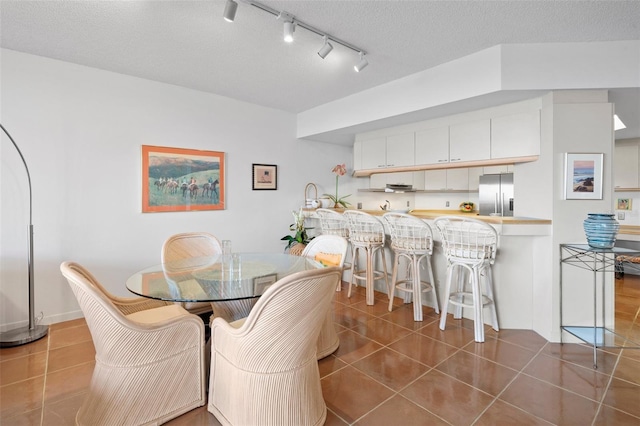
263	368
330	250
197	244
149	365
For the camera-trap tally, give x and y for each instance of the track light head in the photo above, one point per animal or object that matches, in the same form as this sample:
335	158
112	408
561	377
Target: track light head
325	49
289	28
230	10
362	63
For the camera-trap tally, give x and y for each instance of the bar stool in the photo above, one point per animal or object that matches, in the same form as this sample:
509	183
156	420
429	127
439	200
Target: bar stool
334	223
470	247
366	232
412	239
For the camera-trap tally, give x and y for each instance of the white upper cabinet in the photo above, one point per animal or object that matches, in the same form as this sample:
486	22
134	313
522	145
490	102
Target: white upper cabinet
357	155
470	141
432	146
626	166
447	180
516	135
374	153
386	152
400	150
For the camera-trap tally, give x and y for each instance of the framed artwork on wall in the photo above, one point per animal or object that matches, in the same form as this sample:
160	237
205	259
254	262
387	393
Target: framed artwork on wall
179	179
583	176
265	176
623	204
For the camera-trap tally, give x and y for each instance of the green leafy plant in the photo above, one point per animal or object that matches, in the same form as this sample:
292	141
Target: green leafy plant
301	236
339	170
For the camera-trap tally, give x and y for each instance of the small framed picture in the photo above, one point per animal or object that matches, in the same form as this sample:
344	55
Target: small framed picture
623	204
261	284
583	176
265	177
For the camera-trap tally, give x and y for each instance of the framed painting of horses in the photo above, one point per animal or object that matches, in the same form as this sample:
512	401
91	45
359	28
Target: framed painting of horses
179	179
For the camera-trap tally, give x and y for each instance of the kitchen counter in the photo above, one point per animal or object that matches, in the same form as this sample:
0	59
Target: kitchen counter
433	214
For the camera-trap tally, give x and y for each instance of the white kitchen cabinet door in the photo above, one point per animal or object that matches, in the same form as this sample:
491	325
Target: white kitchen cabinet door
458	179
400	150
494	170
435	180
474	178
516	135
626	167
374	153
357	155
470	141
432	146
447	180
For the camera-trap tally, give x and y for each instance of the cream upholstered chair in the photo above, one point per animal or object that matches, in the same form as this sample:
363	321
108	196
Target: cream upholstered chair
411	238
366	232
150	364
263	368
470	247
196	244
330	250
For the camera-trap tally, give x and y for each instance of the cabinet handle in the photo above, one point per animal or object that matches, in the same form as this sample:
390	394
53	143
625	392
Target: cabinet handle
456	159
443	161
382	166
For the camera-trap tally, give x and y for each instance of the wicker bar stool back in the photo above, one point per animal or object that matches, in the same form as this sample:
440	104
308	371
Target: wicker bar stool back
412	239
470	247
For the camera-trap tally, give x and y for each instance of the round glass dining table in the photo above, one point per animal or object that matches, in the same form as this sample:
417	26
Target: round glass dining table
217	278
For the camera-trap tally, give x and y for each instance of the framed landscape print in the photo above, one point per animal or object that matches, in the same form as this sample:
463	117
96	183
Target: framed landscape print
265	176
178	179
583	176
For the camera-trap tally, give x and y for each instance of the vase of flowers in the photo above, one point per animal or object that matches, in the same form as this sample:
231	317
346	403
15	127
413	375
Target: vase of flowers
338	202
300	238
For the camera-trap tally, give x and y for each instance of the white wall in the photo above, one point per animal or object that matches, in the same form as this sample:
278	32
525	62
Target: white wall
81	130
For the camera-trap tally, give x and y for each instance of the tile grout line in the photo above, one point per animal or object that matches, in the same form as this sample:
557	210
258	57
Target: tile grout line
604	394
44	382
509	384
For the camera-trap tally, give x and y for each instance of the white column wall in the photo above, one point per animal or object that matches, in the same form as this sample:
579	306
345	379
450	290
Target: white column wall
81	130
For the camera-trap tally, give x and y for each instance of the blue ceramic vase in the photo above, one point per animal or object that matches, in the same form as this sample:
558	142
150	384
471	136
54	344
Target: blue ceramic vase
601	230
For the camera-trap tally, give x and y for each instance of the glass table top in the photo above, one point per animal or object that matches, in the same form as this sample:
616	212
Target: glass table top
217	278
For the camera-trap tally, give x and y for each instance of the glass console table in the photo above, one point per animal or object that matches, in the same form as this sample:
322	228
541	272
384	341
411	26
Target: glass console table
598	261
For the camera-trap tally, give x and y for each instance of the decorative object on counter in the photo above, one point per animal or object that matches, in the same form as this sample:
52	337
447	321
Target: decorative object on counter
583	176
265	177
298	241
311	202
601	230
339	170
466	206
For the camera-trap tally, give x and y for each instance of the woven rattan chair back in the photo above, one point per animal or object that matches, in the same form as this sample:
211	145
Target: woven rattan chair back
264	368
149	365
333	223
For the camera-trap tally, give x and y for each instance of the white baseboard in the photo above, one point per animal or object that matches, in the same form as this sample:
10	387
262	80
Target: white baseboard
51	319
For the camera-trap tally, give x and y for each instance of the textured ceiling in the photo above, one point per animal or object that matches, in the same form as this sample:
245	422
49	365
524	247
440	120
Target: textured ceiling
187	43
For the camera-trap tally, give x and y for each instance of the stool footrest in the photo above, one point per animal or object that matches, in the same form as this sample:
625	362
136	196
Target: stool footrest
462	295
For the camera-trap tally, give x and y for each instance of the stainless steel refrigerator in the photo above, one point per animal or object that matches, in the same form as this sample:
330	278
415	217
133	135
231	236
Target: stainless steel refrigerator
496	195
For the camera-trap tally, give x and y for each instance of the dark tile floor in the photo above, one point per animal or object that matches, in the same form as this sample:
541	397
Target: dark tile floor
388	370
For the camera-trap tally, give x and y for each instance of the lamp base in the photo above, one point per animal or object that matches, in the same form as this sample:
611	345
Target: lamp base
22	336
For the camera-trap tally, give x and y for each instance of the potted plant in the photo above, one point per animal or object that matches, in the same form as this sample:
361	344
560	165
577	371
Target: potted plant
339	170
299	240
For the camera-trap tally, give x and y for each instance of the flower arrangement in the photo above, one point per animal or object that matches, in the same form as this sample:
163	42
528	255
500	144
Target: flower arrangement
300	236
339	170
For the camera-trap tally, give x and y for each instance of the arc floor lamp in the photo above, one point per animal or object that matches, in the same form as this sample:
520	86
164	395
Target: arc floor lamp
26	334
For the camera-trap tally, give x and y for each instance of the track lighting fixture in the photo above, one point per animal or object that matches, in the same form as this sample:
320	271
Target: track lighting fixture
289	28
230	10
290	24
326	48
361	64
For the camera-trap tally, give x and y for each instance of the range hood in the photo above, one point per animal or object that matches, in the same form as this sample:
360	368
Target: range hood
397	187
